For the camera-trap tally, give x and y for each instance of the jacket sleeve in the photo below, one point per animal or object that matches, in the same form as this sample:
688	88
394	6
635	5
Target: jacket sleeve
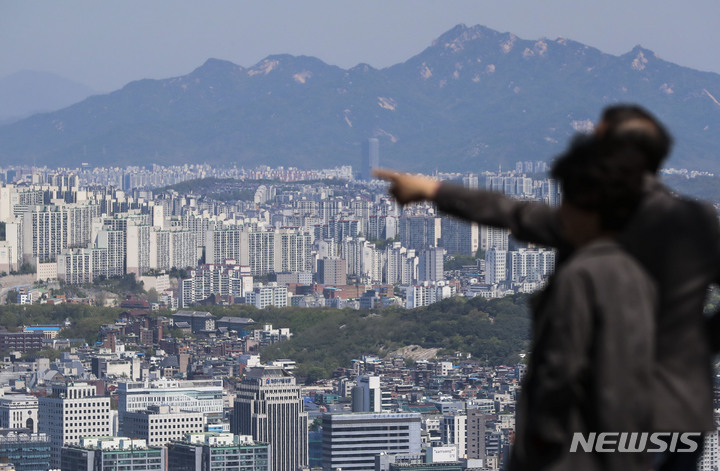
560	357
528	221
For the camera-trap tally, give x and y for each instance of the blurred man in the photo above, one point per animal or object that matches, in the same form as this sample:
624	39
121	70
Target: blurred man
675	239
592	355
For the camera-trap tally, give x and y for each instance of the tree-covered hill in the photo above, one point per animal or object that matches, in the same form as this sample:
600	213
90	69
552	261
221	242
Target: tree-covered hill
324	339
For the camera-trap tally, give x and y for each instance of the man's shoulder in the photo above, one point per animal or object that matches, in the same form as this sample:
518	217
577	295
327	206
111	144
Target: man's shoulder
659	200
604	258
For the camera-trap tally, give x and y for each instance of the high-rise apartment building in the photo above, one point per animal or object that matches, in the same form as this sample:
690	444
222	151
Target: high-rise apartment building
269	295
460	237
45	233
76	266
113	241
332	271
430	266
495	266
225	244
401	265
419	232
269	407
71	412
530	265
228	279
494	238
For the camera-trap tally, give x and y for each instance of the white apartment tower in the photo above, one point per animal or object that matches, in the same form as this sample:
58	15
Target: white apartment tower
495	266
45	233
401	265
71	412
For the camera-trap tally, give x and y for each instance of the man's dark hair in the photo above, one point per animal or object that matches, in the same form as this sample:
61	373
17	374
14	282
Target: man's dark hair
635	126
600	176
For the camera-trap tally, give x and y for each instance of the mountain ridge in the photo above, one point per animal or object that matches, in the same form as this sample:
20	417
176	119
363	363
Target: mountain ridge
472	100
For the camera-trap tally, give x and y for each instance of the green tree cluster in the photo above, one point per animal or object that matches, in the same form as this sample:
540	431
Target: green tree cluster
496	331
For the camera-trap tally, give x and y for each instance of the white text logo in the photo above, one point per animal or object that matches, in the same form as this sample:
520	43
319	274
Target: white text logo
626	442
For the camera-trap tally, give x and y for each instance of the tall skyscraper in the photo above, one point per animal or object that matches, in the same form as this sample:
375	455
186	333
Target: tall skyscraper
269	407
371	157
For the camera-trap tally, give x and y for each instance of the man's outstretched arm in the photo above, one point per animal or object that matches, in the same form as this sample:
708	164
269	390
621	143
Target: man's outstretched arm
530	222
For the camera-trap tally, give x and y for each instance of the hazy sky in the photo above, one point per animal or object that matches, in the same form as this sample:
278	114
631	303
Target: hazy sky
106	44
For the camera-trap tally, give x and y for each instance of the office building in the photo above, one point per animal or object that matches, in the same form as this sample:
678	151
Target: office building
269	407
218	452
204	396
112	453
352	441
19	411
26	451
71	412
160	425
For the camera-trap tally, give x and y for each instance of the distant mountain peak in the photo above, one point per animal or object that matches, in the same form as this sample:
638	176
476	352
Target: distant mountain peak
640	57
457	37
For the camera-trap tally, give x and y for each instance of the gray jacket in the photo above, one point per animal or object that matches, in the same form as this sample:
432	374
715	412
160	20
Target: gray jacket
677	241
591	363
